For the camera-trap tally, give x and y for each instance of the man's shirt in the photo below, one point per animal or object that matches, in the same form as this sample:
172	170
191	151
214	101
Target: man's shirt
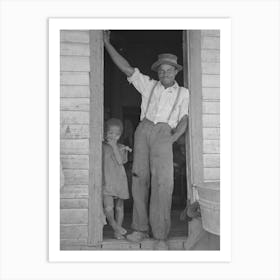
162	100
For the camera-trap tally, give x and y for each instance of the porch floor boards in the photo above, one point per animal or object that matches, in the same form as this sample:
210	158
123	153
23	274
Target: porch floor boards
178	228
176	241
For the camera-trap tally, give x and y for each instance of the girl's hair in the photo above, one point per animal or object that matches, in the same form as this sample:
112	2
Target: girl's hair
113	122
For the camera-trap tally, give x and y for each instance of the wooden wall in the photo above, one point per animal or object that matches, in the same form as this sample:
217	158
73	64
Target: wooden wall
210	66
75	130
74	133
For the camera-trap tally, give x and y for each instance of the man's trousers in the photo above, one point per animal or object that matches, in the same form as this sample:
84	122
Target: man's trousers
152	166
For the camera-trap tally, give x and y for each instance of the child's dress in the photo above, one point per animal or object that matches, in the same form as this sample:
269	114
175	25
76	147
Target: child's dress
114	175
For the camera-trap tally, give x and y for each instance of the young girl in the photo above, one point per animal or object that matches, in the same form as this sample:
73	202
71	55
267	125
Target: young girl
115	188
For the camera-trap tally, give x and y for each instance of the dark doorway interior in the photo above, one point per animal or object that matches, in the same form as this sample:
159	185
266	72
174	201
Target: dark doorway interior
121	100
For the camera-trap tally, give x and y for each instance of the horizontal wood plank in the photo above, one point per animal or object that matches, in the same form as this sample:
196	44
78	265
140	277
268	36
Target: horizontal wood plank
76	176
210	68
74	131
211	174
147	244
75	161
210	107
209	33
210	42
210	56
74	104
73	203
77	36
73	232
74	91
211	133
74	191
210	80
211	93
209	120
74	78
74	147
72	244
211	160
175	244
211	185
74	117
78	49
211	146
73	216
119	245
74	63
79	247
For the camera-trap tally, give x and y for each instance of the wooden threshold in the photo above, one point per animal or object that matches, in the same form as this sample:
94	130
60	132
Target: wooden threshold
174	243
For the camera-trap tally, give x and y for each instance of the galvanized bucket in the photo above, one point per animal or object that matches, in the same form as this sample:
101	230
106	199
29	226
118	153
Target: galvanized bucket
209	201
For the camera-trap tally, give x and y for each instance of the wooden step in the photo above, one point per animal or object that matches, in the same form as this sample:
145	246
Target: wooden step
174	243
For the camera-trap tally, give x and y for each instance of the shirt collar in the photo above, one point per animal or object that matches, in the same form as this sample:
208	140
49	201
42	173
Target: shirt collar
174	87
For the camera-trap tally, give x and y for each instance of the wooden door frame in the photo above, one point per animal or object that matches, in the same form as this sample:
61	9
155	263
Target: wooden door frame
95	201
194	133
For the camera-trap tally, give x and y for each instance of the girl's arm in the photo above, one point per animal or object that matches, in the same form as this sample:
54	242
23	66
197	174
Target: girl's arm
117	153
124	151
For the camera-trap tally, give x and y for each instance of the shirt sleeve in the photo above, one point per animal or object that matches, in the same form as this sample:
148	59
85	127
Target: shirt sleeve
141	82
184	106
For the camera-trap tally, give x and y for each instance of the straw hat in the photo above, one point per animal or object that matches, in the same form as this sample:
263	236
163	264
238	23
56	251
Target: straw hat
166	58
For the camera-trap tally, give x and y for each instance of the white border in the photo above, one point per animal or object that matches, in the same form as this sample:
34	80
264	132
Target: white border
55	25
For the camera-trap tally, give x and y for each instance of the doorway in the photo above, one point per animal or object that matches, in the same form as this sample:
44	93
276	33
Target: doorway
121	100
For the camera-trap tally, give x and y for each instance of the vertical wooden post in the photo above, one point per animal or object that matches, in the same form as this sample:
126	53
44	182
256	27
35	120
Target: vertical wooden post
195	87
194	141
95	217
188	145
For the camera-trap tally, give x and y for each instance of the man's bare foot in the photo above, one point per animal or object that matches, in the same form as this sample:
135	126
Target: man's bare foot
161	245
137	236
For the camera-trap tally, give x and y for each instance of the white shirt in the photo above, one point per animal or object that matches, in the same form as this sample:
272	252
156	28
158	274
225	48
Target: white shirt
162	100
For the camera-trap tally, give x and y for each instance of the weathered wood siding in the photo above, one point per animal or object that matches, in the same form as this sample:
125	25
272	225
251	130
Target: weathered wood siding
74	134
210	65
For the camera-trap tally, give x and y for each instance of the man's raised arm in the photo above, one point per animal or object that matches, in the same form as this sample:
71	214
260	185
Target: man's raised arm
119	60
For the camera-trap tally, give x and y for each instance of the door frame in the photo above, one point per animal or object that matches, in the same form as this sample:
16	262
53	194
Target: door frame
95	201
194	133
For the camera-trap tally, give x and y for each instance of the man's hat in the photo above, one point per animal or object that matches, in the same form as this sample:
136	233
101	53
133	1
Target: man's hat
166	58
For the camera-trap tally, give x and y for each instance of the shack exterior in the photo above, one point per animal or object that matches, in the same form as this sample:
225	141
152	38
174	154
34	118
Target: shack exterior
81	126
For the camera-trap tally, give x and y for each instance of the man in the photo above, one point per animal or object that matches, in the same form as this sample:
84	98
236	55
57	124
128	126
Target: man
164	116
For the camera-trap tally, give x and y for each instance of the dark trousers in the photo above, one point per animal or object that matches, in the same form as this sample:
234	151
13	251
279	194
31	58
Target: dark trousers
153	162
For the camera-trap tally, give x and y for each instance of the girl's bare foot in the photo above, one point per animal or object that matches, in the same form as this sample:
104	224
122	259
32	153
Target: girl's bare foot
119	229
118	236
